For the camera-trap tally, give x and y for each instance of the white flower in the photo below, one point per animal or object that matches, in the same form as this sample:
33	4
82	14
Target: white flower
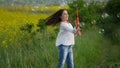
105	15
118	15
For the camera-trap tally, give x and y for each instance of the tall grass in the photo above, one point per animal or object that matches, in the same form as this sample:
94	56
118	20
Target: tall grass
39	51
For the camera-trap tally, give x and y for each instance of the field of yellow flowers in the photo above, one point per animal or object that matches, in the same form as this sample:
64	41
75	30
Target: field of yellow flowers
21	49
12	17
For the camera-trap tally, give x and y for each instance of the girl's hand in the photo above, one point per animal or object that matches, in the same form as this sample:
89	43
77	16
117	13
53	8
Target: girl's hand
78	31
76	24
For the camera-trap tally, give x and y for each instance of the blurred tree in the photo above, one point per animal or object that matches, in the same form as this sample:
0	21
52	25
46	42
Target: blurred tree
88	12
110	21
105	15
113	7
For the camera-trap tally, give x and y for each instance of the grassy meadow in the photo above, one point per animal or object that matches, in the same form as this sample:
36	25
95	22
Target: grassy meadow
36	49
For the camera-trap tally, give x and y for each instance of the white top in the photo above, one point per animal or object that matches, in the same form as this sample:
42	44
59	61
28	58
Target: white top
66	34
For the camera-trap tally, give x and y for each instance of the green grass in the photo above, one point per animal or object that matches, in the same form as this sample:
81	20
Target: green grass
88	49
40	51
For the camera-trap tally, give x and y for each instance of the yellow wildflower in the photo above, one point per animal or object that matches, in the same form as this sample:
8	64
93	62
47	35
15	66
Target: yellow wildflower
4	44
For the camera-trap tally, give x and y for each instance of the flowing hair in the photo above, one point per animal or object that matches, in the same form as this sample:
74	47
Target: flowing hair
54	19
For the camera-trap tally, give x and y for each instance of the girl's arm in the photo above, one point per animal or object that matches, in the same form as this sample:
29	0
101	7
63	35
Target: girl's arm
68	28
78	31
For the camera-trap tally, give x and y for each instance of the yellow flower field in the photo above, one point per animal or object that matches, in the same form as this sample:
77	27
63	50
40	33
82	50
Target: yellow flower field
12	17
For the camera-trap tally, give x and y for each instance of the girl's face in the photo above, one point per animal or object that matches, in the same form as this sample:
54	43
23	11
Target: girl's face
64	16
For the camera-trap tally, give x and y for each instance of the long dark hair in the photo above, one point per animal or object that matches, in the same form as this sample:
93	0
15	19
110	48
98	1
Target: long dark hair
54	18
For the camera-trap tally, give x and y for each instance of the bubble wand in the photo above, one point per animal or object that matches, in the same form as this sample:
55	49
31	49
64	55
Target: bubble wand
77	22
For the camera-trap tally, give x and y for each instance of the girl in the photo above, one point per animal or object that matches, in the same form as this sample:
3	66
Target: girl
65	38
